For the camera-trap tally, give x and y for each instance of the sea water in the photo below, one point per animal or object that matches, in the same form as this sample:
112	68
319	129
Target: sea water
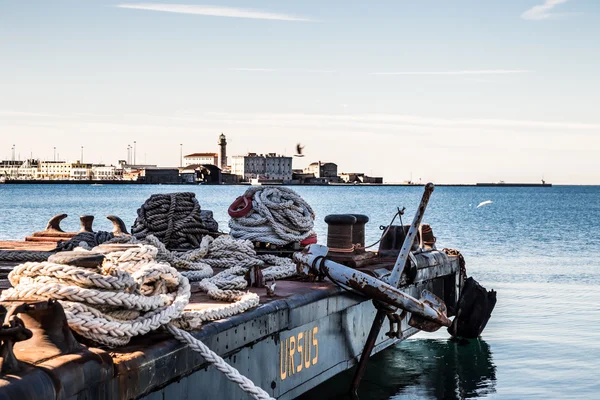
539	248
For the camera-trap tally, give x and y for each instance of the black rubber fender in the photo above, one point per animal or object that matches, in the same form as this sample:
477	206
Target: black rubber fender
474	310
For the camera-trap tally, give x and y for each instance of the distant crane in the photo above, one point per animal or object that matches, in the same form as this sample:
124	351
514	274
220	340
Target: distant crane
299	149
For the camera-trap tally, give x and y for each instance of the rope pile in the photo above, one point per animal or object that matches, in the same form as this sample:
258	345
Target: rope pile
146	285
278	216
175	219
133	293
86	240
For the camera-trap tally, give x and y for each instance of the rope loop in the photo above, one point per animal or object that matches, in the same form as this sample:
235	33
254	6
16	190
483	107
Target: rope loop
278	216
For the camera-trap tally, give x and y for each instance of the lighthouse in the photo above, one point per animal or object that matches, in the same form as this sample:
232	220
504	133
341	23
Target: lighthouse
223	146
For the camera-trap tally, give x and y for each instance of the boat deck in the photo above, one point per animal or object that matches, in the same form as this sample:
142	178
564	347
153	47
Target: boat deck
300	337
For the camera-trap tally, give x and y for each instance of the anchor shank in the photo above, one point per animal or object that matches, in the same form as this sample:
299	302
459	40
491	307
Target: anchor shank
364	284
396	274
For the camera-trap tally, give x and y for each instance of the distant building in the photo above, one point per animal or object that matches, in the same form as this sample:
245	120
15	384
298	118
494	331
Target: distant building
359	177
322	169
207	174
19	169
269	167
201	158
80	171
51	170
29	170
160	175
106	172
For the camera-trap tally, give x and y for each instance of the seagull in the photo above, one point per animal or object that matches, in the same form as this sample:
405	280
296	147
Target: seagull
484	203
299	148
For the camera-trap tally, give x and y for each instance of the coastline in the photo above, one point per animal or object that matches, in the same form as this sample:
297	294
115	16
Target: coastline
124	182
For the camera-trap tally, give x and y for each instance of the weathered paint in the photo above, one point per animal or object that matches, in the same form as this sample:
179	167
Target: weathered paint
367	285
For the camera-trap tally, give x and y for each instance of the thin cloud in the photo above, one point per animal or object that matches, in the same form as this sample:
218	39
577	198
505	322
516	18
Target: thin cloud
463	72
252	69
542	11
214	11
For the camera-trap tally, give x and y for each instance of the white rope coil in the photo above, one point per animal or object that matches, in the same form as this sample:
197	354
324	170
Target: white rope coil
133	293
278	216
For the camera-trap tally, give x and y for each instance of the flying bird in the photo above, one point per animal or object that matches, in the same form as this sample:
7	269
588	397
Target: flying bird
299	149
484	203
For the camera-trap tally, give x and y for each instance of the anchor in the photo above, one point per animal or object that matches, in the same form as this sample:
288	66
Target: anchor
429	313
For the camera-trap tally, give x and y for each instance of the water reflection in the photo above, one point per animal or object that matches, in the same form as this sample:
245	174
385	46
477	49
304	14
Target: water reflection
423	369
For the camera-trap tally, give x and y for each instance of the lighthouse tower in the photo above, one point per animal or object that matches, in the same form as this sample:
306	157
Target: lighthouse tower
223	146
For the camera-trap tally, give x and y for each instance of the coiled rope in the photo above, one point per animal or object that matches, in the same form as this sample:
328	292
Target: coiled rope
133	293
24	255
85	240
278	216
174	218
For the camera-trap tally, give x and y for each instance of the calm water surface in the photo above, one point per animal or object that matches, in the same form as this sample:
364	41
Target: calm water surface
538	247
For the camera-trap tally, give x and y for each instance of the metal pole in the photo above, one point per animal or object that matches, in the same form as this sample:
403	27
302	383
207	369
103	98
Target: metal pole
394	278
181	154
54	154
13	152
134	151
81	154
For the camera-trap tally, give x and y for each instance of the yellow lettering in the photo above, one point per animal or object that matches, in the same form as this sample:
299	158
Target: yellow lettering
283	358
315	343
292	368
307	347
300	348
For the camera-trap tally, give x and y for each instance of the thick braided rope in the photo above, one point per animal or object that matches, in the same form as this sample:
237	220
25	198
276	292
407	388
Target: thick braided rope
278	216
24	255
91	239
90	311
95	301
174	218
233	374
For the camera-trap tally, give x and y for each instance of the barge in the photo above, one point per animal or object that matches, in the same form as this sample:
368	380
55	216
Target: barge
310	327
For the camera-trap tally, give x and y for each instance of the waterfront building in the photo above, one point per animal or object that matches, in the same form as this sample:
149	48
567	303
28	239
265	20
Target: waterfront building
322	169
359	177
80	171
28	170
51	170
201	173
9	169
106	172
160	175
201	158
269	167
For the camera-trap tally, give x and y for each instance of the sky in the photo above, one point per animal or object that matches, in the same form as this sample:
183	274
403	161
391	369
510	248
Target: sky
456	91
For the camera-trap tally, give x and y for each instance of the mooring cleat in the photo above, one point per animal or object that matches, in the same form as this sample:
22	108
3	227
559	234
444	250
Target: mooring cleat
474	309
54	223
86	223
119	227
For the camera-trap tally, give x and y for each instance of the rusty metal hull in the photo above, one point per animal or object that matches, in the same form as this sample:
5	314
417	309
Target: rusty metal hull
288	345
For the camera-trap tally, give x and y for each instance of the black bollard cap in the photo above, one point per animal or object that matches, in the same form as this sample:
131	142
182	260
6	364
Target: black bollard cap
360	218
340	219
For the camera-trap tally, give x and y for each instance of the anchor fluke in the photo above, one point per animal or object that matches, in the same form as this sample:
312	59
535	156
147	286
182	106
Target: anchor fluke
54	223
427	325
119	227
